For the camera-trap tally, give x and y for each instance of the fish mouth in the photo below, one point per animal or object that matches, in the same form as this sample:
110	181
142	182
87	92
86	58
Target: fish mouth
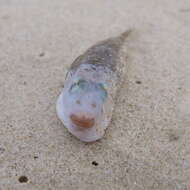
83	121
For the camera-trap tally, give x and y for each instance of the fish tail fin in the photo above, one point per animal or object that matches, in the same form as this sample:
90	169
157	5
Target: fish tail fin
124	35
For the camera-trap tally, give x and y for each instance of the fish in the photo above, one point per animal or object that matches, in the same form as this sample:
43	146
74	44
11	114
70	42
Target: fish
86	103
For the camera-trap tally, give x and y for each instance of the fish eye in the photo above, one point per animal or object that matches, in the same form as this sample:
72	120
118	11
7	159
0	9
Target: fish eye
74	87
80	84
103	85
104	93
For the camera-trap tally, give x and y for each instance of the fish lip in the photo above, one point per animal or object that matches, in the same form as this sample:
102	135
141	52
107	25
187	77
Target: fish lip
82	121
80	128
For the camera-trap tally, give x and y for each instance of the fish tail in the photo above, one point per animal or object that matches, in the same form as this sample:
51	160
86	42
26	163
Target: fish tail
124	35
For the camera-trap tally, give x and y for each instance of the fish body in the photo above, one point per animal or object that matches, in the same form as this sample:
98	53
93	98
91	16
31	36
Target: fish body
86	103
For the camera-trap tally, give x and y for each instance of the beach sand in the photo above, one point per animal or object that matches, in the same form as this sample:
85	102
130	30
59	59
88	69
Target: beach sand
146	147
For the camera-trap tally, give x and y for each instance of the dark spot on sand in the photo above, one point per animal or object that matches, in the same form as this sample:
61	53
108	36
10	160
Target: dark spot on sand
138	82
23	179
185	10
173	137
95	163
10	125
42	54
2	150
5	17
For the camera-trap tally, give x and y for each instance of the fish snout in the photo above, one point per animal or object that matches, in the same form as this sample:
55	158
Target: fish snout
82	121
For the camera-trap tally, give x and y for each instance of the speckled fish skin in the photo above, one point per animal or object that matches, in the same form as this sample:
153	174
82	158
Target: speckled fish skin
104	53
86	103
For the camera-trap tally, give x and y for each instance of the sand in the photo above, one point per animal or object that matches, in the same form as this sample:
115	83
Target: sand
146	147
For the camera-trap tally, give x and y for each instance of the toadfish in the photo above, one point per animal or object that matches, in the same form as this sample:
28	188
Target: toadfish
86	103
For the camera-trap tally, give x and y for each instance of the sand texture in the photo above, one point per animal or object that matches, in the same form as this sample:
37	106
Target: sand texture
147	145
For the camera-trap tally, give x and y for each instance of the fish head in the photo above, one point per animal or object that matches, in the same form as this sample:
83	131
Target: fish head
83	102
